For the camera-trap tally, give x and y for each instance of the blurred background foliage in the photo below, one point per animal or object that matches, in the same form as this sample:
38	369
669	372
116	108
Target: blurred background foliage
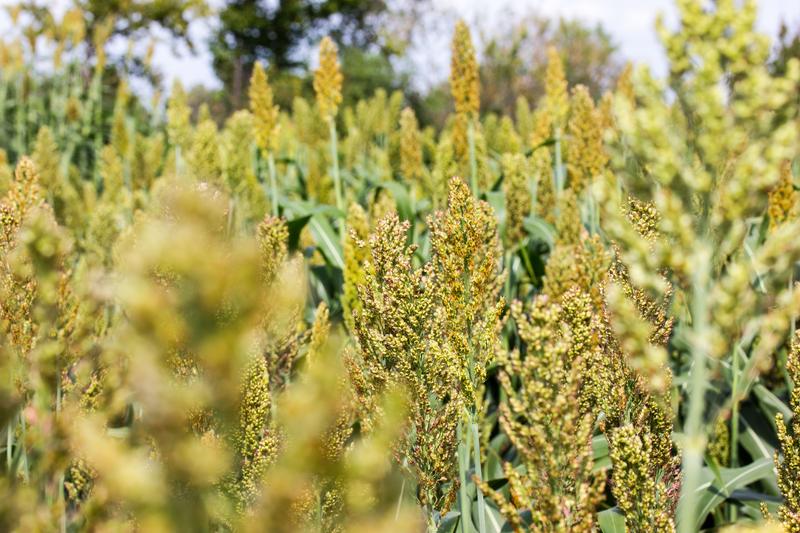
373	37
273	307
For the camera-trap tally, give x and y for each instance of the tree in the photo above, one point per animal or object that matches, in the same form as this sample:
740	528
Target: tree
366	72
786	47
514	59
131	18
281	34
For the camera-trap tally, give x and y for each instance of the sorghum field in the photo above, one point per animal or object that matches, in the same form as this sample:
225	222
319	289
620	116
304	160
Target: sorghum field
326	318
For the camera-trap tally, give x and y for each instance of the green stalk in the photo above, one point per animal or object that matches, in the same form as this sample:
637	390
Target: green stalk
3	97
734	452
473	163
178	162
559	166
97	97
230	221
58	393
21	125
400	500
463	462
337	180
477	451
735	364
413	197
509	256
786	377
431	522
24	452
10	444
694	441
526	259
273	183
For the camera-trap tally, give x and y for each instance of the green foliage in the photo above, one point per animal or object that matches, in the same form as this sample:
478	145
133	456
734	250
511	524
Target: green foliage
608	303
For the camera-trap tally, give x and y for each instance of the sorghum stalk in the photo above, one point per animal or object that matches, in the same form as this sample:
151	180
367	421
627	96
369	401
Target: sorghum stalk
21	125
273	183
10	442
463	464
508	257
3	97
478	474
734	452
24	450
97	106
473	163
337	180
694	439
558	165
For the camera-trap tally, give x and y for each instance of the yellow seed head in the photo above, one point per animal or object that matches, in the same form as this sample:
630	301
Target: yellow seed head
111	170
541	163
524	118
557	487
47	158
555	86
119	131
102	32
788	466
356	253
464	79
320	331
585	153
178	117
328	79
719	445
638	493
783	198
460	136
5	173
445	167
204	158
410	148
625	83
606	110
518	196
507	139
273	236
24	195
265	113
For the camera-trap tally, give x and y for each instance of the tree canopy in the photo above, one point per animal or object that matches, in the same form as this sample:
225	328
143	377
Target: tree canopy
514	59
280	32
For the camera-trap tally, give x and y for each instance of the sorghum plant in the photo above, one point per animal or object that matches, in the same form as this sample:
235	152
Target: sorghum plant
433	330
558	489
706	161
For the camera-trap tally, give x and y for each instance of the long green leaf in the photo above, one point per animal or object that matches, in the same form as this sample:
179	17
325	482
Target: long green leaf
710	493
540	229
449	522
600	455
611	521
771	403
327	240
401	198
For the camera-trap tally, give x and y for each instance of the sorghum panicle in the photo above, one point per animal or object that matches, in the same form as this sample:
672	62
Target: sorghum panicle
328	79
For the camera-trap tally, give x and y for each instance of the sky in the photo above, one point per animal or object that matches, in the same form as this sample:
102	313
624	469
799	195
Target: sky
630	22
